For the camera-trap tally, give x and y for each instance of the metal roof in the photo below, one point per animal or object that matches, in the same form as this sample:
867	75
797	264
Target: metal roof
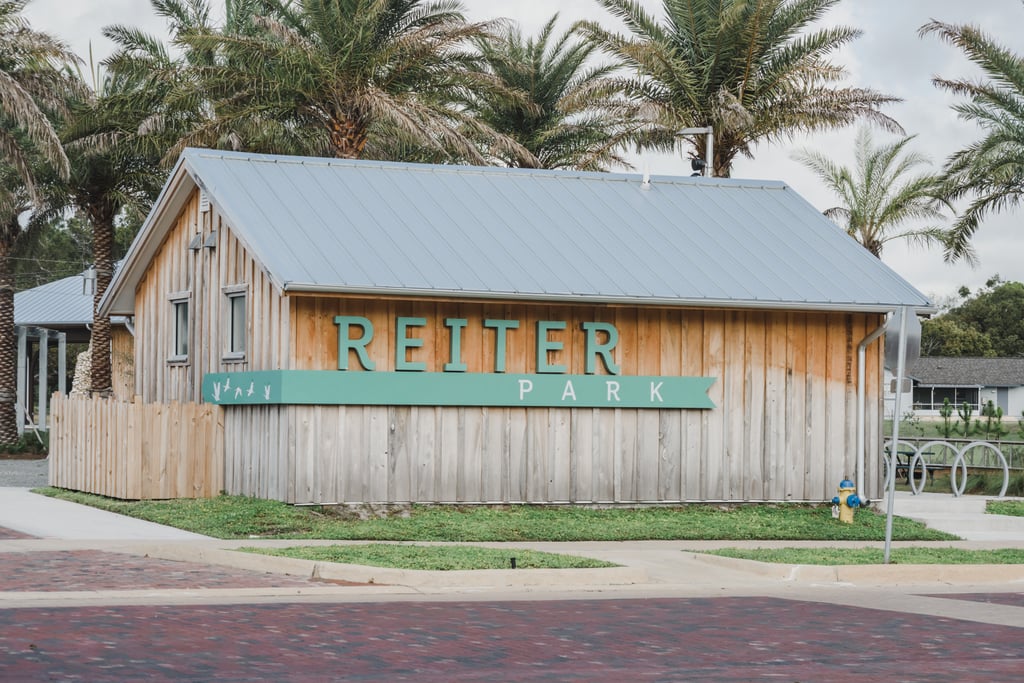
61	304
968	372
324	225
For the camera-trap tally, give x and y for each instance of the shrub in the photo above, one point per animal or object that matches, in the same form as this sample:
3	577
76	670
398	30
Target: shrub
27	444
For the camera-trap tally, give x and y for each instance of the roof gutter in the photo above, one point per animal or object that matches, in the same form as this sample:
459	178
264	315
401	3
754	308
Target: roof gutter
597	299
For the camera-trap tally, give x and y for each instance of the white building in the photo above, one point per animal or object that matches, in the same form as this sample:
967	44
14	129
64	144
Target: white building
975	381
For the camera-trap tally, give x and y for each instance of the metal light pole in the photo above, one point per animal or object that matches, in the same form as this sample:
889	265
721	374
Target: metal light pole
709	146
890	494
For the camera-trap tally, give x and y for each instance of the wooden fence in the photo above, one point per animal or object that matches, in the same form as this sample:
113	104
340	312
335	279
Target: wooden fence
137	451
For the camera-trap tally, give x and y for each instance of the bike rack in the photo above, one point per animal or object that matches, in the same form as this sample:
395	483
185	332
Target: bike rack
958	490
958	483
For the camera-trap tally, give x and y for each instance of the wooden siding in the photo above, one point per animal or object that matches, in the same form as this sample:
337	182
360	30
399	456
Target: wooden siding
203	272
122	363
136	451
783	427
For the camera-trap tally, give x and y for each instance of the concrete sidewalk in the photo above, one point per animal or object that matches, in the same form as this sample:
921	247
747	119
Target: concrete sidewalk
45	517
962	516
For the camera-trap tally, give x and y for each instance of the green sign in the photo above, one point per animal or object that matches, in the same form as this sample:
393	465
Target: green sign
329	387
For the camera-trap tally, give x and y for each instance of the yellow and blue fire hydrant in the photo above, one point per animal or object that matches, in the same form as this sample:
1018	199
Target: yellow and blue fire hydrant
846	501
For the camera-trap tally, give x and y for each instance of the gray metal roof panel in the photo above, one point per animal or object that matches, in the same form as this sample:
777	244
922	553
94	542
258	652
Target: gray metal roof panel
62	303
362	226
969	372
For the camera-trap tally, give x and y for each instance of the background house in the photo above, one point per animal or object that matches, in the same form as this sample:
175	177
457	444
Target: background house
358	321
65	307
972	380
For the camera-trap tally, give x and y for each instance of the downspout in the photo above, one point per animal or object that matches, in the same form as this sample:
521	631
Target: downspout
129	324
861	402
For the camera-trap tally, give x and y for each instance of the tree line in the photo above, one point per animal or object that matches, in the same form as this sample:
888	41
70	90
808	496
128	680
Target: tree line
413	80
988	323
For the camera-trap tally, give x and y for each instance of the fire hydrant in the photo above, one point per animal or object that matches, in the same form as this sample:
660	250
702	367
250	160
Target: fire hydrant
846	501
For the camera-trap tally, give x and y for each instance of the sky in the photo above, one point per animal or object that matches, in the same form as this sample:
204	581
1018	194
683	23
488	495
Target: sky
888	57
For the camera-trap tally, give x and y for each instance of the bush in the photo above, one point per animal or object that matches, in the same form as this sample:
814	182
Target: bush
1016	487
27	444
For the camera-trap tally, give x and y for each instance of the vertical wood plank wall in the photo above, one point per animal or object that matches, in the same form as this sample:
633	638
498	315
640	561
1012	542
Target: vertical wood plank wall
203	273
783	427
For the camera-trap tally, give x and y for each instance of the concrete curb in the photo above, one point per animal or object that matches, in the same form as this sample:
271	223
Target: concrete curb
868	574
333	571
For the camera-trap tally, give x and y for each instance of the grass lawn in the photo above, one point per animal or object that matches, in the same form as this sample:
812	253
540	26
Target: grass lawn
234	517
433	558
1005	507
839	556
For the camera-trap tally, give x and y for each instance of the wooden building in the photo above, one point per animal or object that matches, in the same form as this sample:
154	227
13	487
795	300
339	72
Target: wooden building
382	332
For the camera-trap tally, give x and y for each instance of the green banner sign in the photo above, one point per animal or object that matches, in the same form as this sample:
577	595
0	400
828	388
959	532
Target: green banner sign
328	387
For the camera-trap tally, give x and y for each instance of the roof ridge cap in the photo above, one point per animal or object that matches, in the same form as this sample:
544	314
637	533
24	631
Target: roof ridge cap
469	169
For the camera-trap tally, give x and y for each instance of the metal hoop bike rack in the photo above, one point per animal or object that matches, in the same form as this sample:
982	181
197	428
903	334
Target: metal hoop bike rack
957	471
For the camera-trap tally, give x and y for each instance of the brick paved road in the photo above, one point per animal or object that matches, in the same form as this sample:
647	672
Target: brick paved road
94	570
6	533
705	639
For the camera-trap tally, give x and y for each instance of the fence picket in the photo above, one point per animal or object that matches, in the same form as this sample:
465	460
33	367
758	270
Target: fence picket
135	450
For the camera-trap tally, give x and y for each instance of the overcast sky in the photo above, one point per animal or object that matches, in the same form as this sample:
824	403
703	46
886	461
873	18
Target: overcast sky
889	57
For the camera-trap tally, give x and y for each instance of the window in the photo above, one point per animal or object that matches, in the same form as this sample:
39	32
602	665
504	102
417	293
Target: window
931	398
237	331
180	342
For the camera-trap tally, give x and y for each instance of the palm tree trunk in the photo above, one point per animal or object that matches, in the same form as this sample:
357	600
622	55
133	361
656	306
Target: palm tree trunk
8	343
348	138
102	218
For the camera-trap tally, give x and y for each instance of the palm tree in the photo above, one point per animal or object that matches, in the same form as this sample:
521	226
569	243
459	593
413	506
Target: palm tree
750	69
565	113
343	78
991	170
881	194
30	86
166	76
14	205
113	168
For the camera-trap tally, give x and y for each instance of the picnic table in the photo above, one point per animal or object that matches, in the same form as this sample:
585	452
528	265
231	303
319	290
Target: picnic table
904	456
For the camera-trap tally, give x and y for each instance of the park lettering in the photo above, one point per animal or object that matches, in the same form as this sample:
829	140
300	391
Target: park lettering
599	340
